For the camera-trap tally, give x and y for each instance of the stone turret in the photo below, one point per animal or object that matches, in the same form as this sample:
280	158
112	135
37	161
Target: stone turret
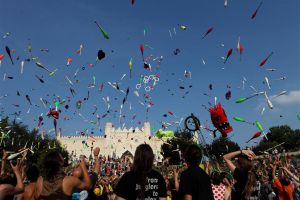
108	128
147	128
59	134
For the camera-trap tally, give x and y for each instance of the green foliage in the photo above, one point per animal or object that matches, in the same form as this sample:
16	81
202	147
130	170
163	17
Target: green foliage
180	141
221	146
276	136
20	137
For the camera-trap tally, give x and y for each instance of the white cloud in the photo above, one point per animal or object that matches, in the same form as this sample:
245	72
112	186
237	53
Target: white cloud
292	97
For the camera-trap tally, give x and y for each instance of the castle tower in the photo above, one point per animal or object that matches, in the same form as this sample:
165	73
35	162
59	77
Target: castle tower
147	128
108	128
59	134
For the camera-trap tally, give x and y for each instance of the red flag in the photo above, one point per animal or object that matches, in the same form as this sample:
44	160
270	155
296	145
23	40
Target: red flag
266	59
210	29
228	55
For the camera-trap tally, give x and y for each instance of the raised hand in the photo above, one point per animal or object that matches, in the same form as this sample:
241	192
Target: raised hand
96	151
249	154
5	155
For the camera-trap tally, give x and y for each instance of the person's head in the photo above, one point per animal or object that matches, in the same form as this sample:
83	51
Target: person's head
284	179
8	179
193	155
32	173
216	178
53	164
142	164
244	163
143	158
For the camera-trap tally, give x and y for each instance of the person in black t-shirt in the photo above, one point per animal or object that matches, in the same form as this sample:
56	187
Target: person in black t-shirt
194	182
142	182
246	186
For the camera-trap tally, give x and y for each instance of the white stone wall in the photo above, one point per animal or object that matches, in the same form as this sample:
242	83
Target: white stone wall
115	142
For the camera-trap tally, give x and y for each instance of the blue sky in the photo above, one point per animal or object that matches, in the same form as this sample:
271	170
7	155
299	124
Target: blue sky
61	26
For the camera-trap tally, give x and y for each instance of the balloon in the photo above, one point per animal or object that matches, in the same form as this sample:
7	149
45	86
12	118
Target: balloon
78	104
53	113
100	55
69	61
1	58
160	133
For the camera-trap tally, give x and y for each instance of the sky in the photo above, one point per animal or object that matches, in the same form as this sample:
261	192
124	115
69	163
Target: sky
62	26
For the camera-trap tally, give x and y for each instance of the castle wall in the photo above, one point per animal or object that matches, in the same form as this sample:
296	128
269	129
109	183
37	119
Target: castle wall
115	142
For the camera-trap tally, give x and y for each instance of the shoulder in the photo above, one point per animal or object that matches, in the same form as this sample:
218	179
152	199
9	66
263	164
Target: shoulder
38	186
70	180
128	174
238	173
29	190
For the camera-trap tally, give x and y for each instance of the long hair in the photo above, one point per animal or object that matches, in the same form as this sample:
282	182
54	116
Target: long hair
246	166
53	164
142	164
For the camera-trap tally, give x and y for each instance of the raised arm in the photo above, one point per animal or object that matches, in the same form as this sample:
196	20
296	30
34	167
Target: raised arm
273	166
71	182
4	156
86	183
291	174
96	160
175	172
20	186
228	157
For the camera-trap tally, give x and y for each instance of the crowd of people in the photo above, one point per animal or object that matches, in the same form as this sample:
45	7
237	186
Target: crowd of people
240	176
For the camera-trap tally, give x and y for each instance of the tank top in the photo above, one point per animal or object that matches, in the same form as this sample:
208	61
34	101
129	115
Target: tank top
53	189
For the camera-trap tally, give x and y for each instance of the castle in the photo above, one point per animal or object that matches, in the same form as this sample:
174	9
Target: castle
115	142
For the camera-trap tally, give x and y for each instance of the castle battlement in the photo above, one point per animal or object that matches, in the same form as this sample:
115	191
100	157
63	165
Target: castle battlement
79	137
115	142
125	130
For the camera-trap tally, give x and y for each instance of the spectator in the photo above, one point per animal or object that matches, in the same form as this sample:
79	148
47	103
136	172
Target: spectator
142	182
246	186
7	185
194	182
282	184
32	174
56	185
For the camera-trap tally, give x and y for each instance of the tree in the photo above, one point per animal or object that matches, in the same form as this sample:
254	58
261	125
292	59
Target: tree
277	135
174	147
221	146
15	137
